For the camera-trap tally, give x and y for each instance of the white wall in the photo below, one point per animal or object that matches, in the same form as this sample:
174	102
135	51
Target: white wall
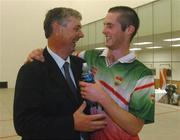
22	27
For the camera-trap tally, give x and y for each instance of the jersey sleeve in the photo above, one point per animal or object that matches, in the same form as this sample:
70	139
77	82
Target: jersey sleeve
142	103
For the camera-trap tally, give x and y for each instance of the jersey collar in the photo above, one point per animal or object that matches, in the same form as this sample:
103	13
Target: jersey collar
129	58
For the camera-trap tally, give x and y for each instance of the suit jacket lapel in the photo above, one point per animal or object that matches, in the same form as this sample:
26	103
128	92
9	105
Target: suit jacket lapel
76	68
56	74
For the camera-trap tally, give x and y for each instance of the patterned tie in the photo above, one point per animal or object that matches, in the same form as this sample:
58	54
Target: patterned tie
69	79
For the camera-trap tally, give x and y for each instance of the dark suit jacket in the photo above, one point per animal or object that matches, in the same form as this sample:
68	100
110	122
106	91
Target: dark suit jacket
43	102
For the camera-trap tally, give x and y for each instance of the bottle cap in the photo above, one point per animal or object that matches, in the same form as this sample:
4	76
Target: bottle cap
85	67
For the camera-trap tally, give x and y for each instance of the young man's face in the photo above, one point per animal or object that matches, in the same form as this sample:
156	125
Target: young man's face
71	33
112	31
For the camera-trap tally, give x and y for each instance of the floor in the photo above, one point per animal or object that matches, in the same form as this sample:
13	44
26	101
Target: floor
166	126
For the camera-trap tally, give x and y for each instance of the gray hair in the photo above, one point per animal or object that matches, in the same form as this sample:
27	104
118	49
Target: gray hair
61	15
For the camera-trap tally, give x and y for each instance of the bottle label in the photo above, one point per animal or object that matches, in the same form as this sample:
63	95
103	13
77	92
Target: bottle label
88	77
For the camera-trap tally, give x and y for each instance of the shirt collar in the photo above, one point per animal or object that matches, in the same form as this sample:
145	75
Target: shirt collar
130	57
60	61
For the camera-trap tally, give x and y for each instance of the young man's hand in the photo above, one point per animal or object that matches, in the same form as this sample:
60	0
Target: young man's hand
36	54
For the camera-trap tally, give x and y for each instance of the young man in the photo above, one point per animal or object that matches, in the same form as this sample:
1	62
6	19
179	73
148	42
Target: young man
47	102
125	87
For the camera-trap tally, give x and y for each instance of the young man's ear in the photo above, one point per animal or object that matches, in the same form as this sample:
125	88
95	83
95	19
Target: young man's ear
130	30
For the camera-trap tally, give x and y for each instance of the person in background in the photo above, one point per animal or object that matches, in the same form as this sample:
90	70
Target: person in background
47	102
124	87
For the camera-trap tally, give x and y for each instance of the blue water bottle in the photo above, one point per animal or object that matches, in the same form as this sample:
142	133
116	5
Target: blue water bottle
87	76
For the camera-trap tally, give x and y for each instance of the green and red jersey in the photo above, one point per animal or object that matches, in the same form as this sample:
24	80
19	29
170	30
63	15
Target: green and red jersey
129	83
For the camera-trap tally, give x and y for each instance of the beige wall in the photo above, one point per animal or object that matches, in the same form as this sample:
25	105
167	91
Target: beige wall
21	32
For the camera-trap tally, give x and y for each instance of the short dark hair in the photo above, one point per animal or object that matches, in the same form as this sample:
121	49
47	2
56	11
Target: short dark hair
61	15
128	17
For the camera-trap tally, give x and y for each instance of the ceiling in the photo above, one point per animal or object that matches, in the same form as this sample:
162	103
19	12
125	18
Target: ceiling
158	40
93	10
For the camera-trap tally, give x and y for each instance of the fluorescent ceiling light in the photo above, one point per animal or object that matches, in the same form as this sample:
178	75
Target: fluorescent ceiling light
142	43
172	39
135	49
100	48
176	45
154	47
